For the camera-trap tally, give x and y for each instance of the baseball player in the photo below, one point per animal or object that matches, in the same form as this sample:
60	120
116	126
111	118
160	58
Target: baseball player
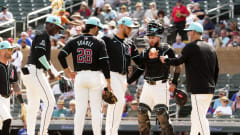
8	77
201	66
35	80
120	50
91	65
155	94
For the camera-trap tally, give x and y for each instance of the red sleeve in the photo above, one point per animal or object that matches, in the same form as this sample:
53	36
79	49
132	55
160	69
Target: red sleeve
79	11
186	11
88	12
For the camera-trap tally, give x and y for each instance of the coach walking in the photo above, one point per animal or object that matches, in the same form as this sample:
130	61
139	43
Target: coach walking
201	66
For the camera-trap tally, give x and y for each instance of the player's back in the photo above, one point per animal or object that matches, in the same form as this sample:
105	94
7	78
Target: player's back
86	51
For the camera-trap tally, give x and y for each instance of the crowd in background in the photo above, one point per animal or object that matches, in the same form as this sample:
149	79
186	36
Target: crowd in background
224	34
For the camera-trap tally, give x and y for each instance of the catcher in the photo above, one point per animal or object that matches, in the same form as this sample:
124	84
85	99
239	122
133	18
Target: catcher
8	77
155	94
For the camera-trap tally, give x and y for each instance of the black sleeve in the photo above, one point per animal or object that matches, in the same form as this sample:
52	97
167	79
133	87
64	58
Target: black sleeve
63	54
134	54
216	71
104	60
139	71
186	53
39	45
171	53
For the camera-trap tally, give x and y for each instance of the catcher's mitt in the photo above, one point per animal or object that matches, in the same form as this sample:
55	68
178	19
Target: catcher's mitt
24	112
109	97
65	84
180	97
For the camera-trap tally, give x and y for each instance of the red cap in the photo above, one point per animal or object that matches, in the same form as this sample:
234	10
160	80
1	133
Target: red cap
10	40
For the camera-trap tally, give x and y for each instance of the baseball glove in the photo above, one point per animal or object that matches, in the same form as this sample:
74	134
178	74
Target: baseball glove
109	97
180	97
24	112
65	84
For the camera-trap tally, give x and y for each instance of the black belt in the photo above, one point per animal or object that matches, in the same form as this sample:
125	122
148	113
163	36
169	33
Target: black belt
155	82
122	73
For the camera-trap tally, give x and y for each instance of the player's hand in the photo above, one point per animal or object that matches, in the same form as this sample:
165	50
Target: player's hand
153	53
51	75
162	58
72	75
172	87
109	85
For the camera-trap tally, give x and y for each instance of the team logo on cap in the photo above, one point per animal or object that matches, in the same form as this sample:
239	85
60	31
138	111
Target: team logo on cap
154	29
123	21
2	46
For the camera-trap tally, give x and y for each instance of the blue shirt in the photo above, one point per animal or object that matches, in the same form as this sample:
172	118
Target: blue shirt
178	45
22	131
225	41
28	41
218	103
110	16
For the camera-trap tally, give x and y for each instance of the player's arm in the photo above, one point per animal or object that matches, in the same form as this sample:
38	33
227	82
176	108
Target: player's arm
104	63
135	54
139	71
62	59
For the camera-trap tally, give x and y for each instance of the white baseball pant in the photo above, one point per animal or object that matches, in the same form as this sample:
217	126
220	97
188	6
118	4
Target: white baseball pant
88	86
114	111
155	94
200	105
5	110
38	89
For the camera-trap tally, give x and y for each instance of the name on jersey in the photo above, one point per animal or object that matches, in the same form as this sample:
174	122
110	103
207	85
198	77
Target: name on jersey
84	42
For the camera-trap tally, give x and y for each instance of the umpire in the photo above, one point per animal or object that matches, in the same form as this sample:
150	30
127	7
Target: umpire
201	66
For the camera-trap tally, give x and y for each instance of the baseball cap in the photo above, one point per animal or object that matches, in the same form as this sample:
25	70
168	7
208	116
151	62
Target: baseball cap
55	20
94	21
60	102
179	0
5	45
205	36
195	26
10	40
154	29
127	21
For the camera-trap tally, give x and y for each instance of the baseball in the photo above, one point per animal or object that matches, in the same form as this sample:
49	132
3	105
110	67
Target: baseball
153	50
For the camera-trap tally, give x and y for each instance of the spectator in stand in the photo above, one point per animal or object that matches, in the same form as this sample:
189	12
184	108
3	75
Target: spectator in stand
76	16
151	13
67	34
64	19
234	28
112	27
104	32
78	30
236	105
224	109
61	41
5	15
1	39
99	14
234	97
54	45
128	97
72	110
134	109
208	26
24	46
84	11
30	33
138	13
199	13
179	14
162	18
191	17
60	111
217	102
109	13
25	37
224	38
206	38
216	39
123	12
178	43
235	42
222	26
98	3
23	131
125	111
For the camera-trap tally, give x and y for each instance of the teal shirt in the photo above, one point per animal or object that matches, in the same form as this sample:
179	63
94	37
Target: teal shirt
57	113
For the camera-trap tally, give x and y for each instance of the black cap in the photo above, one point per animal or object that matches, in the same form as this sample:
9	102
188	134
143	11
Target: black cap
4	7
154	29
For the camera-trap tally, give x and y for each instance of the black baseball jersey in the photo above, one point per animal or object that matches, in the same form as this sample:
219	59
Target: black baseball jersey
153	69
88	52
201	66
40	46
120	53
8	75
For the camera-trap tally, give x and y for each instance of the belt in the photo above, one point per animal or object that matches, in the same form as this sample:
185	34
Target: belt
155	82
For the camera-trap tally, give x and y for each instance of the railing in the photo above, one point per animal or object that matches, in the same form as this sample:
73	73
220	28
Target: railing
9	27
35	20
218	8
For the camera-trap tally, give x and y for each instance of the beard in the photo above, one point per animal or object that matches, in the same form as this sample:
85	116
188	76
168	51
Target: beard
152	45
7	56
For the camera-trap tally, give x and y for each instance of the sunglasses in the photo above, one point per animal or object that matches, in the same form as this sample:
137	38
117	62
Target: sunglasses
225	101
10	49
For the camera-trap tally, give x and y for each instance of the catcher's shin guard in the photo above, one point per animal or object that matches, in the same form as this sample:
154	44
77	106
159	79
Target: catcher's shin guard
163	118
143	119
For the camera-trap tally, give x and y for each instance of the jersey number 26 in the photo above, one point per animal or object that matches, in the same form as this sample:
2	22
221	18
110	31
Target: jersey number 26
84	56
